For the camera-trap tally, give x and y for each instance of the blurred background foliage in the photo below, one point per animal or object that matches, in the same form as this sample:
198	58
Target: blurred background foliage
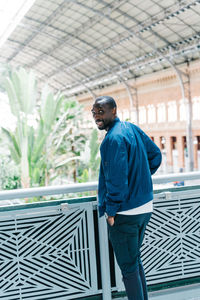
47	144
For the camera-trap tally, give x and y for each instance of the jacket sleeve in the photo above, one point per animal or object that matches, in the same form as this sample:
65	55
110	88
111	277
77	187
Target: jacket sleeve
116	175
153	153
101	192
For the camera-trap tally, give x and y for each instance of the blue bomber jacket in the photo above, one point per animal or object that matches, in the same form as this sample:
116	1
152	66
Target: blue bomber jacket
128	159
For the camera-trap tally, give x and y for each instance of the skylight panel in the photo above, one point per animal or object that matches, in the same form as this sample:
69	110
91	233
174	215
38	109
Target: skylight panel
11	13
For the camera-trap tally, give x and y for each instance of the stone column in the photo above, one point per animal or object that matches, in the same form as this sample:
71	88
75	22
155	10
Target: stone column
180	147
157	141
195	146
169	152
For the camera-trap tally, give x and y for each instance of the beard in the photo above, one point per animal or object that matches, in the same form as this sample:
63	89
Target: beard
100	124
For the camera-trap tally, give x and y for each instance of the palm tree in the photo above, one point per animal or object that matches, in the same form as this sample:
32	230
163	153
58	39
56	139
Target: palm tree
90	159
69	141
29	143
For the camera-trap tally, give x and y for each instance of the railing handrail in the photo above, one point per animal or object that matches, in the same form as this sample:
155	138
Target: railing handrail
176	177
84	187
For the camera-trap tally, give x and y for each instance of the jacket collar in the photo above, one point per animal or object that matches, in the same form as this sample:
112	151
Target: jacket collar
114	122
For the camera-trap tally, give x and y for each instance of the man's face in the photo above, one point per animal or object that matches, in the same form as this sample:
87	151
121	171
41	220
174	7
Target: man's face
103	115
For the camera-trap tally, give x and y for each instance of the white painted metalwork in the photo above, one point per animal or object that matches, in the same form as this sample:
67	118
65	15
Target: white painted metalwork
53	250
48	253
171	250
84	187
104	258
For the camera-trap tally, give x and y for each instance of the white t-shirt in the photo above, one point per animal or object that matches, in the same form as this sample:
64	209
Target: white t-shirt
143	209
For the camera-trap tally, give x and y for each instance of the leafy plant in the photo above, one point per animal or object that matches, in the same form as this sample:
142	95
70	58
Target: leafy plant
48	143
69	141
90	159
34	145
9	174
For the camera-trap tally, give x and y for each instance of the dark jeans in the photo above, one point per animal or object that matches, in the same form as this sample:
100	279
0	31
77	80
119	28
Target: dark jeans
126	237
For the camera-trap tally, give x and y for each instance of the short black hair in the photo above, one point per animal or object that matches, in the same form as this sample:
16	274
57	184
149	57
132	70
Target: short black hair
109	101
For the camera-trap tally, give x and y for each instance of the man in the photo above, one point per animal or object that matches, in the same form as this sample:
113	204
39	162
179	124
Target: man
128	159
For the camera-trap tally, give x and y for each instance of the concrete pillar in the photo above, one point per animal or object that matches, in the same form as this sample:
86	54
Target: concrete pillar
180	148
157	141
195	153
169	152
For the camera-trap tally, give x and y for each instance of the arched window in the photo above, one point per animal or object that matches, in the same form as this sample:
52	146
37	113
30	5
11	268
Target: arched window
133	115
196	108
119	114
151	113
182	110
142	115
126	115
161	112
172	111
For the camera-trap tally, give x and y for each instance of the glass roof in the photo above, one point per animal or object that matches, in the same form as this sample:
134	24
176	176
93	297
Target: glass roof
11	13
80	45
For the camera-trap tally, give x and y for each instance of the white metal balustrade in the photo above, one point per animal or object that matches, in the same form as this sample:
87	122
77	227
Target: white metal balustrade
84	187
59	249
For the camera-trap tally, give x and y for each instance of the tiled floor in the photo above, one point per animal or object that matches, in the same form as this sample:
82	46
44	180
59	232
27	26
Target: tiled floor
190	292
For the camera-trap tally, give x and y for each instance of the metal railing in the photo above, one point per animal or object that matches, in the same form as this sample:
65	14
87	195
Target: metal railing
84	187
59	249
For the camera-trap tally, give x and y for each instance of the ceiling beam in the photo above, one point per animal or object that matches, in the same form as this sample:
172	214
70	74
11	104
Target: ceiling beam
174	10
33	34
131	66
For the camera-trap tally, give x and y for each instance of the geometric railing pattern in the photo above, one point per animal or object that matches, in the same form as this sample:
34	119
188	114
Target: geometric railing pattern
171	248
47	254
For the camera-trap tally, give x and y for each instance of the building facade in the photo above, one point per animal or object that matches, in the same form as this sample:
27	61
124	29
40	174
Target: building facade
155	103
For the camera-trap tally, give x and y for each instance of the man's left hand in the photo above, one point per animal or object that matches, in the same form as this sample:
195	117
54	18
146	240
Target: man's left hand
110	220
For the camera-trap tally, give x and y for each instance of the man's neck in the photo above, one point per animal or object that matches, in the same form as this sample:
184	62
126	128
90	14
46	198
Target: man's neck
110	124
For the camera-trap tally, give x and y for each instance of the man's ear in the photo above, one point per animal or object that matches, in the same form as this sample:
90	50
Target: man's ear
114	111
